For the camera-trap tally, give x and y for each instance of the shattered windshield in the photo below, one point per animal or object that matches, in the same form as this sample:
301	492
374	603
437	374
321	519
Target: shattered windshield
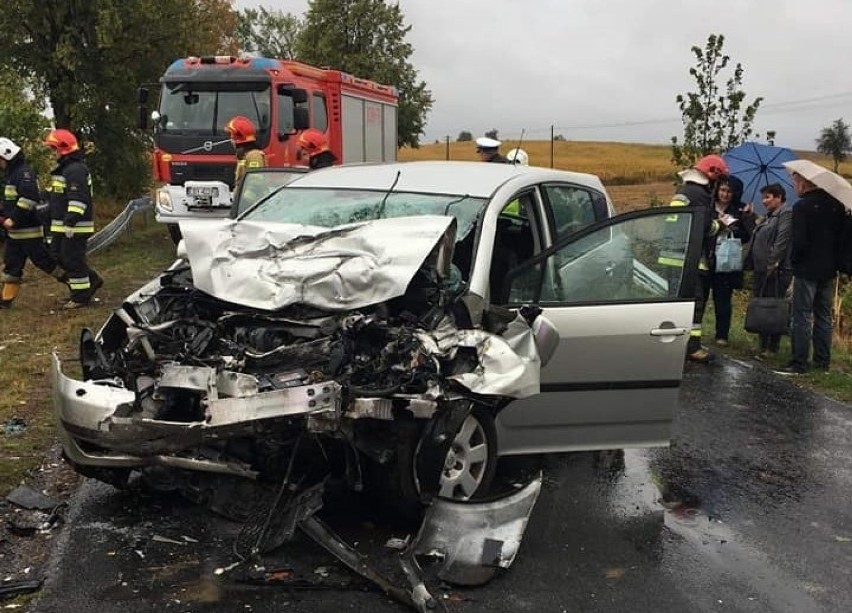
334	207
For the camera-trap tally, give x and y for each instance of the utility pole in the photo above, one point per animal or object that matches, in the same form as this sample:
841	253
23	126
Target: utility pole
552	137
448	147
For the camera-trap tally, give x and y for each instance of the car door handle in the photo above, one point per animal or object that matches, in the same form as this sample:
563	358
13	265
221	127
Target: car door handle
668	331
609	269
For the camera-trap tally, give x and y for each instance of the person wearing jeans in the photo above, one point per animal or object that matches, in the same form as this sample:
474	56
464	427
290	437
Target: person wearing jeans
811	312
817	221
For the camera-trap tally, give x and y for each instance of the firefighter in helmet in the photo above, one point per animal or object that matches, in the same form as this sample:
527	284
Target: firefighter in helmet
19	217
249	154
696	188
71	216
315	144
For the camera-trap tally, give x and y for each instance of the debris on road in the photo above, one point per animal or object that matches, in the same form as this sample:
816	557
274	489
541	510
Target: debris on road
11	589
28	497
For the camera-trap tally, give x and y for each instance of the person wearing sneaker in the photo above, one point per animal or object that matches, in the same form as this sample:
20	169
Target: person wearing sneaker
769	257
817	221
697	188
72	216
18	216
736	220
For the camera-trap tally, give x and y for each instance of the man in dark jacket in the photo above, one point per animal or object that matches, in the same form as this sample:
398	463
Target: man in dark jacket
72	216
19	218
817	220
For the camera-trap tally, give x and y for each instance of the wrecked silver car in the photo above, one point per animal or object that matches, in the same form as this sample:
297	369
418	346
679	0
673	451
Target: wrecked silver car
395	327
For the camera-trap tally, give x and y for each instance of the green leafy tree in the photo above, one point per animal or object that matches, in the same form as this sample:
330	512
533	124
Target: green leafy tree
88	57
835	141
268	32
492	133
23	119
715	116
464	137
366	38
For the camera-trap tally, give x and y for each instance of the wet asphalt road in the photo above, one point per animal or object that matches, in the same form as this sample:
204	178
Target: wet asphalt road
750	510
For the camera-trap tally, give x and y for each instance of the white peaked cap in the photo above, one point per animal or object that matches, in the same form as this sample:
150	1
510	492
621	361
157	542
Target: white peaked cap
487	143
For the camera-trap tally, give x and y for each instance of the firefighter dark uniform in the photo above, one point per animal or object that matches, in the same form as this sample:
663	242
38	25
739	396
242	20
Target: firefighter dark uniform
71	225
25	235
696	189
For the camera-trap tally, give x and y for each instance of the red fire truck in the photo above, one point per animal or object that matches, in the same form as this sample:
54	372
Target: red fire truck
193	156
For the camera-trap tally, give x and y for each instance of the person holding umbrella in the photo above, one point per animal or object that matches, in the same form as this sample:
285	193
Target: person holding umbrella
758	165
818	218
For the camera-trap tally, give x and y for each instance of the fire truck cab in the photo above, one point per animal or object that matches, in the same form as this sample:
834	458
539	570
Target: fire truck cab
194	160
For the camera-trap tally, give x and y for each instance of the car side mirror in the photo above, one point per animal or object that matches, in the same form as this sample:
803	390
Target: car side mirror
301	119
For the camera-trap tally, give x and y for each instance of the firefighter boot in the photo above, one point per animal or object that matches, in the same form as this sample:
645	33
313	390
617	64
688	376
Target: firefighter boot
59	274
11	287
97	282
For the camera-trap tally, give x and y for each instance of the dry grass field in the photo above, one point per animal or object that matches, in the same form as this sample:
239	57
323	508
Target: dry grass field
635	175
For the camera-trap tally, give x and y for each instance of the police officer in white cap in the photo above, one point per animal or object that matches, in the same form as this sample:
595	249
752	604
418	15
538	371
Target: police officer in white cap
489	150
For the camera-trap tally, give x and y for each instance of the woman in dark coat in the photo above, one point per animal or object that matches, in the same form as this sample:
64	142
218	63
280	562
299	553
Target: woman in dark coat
737	220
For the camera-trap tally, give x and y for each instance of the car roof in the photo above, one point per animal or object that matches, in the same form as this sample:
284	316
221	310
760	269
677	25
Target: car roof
475	179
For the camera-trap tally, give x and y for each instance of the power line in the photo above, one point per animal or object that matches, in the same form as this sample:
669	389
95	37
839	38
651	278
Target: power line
777	108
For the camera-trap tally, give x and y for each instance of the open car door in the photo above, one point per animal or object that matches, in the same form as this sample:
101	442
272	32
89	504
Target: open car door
621	293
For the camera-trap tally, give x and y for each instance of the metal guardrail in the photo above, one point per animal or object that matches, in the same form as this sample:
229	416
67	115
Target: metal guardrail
120	225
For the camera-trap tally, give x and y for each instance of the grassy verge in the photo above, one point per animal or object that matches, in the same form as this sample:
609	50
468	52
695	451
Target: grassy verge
35	326
836	383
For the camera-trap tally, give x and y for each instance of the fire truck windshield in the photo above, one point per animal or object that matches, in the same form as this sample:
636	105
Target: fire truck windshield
205	108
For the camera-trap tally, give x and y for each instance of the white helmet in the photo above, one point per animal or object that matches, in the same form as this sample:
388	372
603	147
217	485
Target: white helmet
518	156
8	149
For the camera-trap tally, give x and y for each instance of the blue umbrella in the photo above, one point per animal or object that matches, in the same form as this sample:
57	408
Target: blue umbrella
757	166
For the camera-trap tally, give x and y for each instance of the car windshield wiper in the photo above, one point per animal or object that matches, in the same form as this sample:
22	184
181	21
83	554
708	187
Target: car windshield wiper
456	201
381	210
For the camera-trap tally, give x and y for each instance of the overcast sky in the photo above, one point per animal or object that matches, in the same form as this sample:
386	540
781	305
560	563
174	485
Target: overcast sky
610	69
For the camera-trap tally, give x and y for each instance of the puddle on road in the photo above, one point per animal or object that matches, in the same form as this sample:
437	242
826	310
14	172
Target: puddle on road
676	532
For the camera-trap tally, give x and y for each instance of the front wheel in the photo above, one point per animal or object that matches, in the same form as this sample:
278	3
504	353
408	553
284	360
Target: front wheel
467	472
472	459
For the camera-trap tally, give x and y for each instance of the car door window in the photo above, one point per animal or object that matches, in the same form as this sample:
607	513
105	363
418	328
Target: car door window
636	257
572	208
515	242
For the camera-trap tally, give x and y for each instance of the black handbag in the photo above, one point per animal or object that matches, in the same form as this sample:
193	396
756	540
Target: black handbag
768	314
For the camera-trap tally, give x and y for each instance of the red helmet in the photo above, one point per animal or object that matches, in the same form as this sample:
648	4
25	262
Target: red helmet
713	166
241	130
313	141
62	142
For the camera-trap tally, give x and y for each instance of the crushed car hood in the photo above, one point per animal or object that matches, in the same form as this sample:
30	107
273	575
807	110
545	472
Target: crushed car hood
269	266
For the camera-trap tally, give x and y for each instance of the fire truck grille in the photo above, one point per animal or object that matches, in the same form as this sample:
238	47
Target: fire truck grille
202	172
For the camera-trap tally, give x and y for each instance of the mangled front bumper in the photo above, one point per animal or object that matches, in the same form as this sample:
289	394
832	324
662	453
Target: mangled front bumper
98	425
